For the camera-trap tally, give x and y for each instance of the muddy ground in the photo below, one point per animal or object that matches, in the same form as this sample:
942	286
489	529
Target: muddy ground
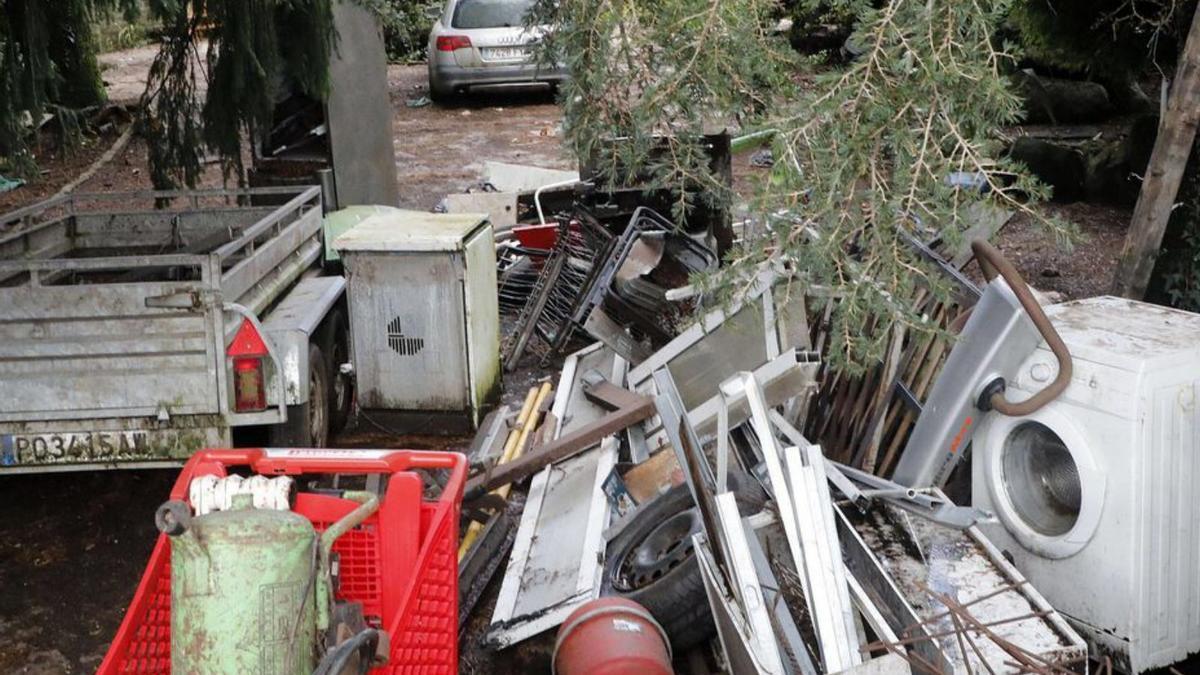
72	546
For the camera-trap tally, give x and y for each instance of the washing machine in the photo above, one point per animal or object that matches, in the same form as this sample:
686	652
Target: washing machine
1097	494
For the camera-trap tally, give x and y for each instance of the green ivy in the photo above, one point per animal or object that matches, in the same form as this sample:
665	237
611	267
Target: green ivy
406	26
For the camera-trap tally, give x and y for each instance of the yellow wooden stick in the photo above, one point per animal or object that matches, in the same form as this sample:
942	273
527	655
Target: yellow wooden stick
514	447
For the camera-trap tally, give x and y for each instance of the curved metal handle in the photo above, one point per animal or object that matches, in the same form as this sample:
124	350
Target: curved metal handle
994	264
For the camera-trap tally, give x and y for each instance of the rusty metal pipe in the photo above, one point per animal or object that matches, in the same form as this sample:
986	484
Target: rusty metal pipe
993	264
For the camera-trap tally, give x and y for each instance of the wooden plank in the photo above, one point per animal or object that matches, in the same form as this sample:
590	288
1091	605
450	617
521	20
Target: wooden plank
1176	133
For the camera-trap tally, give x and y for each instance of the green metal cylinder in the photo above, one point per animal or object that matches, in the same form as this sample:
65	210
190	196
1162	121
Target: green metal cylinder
242	592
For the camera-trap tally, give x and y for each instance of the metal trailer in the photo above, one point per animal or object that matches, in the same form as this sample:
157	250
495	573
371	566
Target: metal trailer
137	328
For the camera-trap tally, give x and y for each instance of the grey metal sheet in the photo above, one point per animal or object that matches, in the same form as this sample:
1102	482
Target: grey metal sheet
522	177
408	332
98	351
556	559
500	207
358	112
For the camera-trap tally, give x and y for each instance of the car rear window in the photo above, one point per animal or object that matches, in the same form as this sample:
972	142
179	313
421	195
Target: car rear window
490	13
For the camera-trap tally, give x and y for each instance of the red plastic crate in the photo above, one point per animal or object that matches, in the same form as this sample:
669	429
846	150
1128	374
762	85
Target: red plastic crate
401	563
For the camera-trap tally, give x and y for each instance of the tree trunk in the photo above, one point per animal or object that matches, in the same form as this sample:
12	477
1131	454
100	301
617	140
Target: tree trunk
72	47
1160	186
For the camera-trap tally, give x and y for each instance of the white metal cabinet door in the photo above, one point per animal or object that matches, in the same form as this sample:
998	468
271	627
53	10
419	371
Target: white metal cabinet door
406	312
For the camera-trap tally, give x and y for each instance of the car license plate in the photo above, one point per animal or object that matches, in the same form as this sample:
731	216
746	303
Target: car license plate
70	447
505	53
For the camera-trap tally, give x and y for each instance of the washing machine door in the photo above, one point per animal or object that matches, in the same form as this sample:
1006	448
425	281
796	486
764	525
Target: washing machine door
1044	481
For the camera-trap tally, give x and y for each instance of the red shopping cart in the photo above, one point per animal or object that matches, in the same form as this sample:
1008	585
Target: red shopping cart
400	563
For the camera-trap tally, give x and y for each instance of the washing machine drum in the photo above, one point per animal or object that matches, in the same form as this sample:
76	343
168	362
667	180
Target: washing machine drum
1041	479
1043	482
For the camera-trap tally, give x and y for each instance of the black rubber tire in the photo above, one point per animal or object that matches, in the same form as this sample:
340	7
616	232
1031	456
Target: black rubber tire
677	599
298	431
336	344
439	95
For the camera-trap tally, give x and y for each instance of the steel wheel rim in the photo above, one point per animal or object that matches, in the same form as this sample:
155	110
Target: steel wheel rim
663	549
341	383
317	417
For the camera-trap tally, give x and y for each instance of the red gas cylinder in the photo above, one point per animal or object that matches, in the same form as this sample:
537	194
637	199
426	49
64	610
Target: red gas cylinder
612	636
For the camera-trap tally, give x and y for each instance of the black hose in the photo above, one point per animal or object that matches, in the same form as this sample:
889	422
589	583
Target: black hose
336	659
993	263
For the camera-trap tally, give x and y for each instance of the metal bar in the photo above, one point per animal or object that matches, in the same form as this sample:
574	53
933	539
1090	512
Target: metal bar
958	614
761	424
822	562
24	233
835	476
1025	658
907	397
675	423
105	263
532	310
731	630
937	509
559	449
277	216
744	582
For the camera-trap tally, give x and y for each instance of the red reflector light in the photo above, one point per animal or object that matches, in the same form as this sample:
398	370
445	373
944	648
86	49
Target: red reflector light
249	390
448	43
249	380
247	342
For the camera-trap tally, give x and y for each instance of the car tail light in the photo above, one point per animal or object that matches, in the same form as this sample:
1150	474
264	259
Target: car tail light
248	351
448	43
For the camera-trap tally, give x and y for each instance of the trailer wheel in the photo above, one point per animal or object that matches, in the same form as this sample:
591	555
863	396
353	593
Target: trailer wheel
336	343
652	561
308	423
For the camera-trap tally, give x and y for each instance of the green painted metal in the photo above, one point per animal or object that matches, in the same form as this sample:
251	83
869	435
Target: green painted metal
368	504
343	220
752	140
242	593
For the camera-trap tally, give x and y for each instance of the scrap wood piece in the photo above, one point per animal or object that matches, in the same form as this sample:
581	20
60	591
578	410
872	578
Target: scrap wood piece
513	448
566	446
476	569
608	395
1160	187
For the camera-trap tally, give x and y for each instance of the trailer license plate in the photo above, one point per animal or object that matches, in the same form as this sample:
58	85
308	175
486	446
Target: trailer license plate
505	53
69	447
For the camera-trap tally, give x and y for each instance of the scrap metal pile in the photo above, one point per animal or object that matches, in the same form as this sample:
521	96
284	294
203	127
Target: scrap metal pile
702	461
